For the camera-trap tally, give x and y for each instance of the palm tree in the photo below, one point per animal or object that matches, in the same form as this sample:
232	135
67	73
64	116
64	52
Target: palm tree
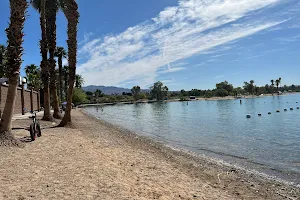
60	53
51	11
66	78
272	84
39	5
78	81
70	9
33	76
277	84
14	59
2	61
279	81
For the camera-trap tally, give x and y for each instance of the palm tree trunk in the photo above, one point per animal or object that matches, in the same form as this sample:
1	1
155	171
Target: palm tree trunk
51	38
72	16
14	53
60	79
66	84
45	64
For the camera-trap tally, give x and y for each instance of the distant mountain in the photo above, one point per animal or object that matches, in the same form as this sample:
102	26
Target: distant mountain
107	89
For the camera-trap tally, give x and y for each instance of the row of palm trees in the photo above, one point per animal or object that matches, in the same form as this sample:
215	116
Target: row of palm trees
277	82
48	10
33	75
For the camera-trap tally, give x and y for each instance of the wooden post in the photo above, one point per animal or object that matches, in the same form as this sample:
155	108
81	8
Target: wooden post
31	100
38	100
22	99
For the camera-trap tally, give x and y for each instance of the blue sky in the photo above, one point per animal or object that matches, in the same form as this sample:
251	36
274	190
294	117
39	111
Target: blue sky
185	44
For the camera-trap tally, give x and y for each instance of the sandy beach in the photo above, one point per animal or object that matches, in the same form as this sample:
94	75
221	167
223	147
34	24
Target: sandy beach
95	160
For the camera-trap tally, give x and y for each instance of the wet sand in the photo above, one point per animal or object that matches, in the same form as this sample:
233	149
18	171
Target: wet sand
96	160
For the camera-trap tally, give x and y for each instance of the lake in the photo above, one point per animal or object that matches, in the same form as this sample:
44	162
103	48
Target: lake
269	143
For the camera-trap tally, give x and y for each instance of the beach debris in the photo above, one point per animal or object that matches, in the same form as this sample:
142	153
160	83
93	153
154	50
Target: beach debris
269	113
219	177
291	108
277	110
248	116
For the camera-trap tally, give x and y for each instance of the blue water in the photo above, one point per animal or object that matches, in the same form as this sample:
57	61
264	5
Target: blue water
220	129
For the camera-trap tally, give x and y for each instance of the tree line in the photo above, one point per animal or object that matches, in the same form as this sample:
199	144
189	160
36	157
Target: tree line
160	92
249	88
11	58
157	92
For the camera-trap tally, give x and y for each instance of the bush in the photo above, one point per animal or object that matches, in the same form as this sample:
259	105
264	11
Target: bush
208	94
221	93
142	96
79	96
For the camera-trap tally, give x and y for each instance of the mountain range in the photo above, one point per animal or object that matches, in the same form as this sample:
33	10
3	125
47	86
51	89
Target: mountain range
108	89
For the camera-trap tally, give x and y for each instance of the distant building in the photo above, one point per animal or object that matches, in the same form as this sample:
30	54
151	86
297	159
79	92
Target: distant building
3	81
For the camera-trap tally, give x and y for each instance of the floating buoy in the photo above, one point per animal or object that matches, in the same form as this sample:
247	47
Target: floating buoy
291	108
287	102
277	110
297	102
298	108
285	109
269	113
248	116
259	114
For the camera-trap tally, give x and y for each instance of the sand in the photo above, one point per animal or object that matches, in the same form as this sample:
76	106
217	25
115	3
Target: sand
95	160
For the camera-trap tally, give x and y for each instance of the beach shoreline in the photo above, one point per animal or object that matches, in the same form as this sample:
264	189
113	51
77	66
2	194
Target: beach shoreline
97	160
219	167
197	99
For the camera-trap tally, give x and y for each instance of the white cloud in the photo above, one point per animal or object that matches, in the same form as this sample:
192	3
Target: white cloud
192	27
288	39
173	69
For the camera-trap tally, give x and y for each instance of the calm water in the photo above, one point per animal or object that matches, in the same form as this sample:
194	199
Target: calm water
269	144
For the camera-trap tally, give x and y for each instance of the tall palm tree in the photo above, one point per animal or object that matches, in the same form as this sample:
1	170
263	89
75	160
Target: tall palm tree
39	5
70	9
78	81
272	84
33	76
279	81
277	84
60	53
51	11
14	59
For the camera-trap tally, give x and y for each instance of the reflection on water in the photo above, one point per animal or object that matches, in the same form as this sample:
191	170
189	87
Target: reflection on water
270	143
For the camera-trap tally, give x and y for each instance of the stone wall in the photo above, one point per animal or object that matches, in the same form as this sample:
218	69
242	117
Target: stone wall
18	104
